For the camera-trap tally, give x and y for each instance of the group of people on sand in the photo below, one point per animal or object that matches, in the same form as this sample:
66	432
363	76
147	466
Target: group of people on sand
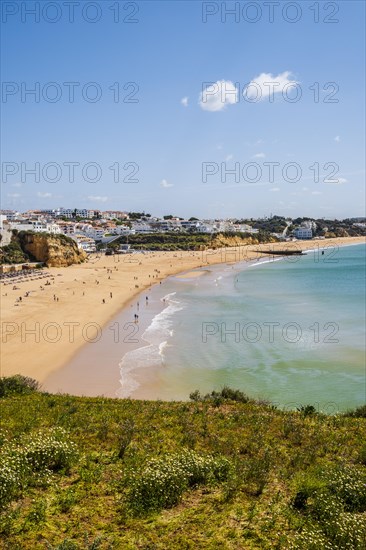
136	317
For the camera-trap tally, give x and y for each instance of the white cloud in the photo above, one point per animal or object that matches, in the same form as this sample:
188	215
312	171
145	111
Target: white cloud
316	193
97	198
184	101
165	184
266	84
274	189
217	95
259	156
44	195
337	139
13	195
229	157
335	181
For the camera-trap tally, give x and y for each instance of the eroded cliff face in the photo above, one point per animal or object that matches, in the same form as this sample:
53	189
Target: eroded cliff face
53	250
222	241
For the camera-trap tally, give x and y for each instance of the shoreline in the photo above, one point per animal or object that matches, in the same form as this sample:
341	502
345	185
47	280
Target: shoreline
146	378
41	336
125	372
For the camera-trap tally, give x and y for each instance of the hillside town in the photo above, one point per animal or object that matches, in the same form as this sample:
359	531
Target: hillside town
91	229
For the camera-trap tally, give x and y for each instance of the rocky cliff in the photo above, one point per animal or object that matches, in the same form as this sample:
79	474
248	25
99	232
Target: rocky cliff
53	250
222	240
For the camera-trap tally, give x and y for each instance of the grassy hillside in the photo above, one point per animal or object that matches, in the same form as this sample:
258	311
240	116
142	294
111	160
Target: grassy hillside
219	472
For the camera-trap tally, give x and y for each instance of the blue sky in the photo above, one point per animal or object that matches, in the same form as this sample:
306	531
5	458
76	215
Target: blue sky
173	131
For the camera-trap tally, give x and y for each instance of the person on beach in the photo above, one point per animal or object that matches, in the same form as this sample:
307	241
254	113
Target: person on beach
103	301
110	294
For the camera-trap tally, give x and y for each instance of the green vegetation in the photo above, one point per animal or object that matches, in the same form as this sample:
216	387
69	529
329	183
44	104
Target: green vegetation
138	215
12	253
15	252
63	239
17	385
31	461
276	224
219	472
360	412
333	228
187	241
163	481
218	397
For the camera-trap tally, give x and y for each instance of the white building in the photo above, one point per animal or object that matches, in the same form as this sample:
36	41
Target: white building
114	214
142	227
37	227
204	228
67	228
189	225
75	212
12	214
95	233
244	228
122	230
303	233
84	243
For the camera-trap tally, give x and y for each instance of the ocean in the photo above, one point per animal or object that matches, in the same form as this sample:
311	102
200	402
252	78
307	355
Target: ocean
290	331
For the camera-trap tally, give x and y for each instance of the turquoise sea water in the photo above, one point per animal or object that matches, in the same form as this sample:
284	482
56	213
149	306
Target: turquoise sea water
291	331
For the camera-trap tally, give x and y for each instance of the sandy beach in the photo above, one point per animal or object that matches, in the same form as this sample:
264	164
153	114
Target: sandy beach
43	331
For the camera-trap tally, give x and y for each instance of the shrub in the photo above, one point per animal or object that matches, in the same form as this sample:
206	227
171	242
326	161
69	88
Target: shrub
49	451
335	499
12	253
163	480
307	410
32	462
362	455
359	412
195	396
349	483
125	437
234	395
311	539
218	397
18	385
